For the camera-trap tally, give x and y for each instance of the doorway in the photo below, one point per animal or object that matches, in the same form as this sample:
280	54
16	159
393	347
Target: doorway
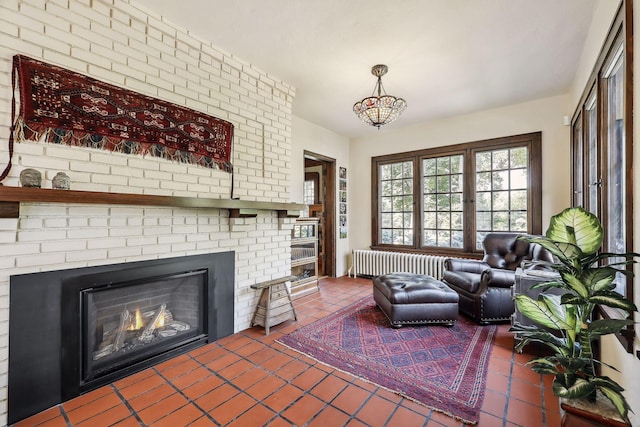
320	196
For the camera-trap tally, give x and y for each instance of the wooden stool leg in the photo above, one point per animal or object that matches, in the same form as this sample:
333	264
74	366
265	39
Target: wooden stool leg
267	315
293	309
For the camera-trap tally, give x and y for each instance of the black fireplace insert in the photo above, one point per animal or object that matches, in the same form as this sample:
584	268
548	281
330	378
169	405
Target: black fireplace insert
129	323
72	331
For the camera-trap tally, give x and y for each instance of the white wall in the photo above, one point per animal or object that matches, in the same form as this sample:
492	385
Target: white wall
601	20
544	115
114	41
612	351
310	137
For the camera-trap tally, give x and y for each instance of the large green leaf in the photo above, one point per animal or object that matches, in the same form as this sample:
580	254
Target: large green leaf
543	286
605	381
613	391
607	326
564	252
548	244
599	279
618	401
540	312
544	366
580	388
555	344
578	227
566	313
573	363
613	299
572	299
575	284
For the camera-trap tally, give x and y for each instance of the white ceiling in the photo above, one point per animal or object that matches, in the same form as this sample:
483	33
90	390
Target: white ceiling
445	57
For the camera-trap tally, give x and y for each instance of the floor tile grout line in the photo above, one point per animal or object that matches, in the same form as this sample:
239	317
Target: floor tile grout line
64	413
508	392
189	400
66	417
286	382
127	404
330	403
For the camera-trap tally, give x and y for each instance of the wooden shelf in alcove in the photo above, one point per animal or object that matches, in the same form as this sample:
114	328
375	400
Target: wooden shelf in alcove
11	197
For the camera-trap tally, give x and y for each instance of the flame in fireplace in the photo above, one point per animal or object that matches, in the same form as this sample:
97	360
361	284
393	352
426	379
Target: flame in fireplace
136	321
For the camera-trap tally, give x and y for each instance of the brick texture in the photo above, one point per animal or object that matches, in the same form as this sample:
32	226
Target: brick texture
116	42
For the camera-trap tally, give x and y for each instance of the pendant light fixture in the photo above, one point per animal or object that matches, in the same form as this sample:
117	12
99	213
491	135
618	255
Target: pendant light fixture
379	109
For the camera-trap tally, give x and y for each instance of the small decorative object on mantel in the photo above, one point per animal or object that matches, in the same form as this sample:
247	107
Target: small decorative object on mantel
61	181
69	108
30	178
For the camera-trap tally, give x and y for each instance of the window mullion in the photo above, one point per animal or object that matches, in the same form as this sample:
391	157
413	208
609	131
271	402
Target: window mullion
469	200
417	204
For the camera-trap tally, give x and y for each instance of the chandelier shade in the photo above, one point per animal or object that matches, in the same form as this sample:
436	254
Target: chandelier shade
379	109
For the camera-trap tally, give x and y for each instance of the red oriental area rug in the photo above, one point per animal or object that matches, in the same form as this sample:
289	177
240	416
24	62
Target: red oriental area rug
69	108
441	367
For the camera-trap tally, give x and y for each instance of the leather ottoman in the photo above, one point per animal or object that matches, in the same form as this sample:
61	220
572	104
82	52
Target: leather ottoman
409	299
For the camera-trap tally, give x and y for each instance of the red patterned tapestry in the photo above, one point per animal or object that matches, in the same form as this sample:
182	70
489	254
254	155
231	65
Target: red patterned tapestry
441	367
70	108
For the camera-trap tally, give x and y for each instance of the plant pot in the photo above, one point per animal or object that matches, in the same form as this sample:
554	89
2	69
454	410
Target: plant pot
585	413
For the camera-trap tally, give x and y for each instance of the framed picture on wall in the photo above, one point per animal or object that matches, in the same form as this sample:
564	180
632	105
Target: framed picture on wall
342	205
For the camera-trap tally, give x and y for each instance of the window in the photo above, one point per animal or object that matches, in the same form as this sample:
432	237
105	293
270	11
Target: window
309	192
615	218
442	197
501	180
447	199
396	203
603	121
578	151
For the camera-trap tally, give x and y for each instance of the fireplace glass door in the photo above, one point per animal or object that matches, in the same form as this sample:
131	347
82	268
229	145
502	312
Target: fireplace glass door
127	322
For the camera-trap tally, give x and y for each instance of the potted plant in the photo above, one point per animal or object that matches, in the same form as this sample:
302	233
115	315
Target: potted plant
566	324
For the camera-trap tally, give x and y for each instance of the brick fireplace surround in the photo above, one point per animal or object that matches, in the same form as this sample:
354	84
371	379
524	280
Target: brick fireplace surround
117	42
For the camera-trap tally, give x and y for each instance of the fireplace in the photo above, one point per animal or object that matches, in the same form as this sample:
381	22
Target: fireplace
99	324
120	324
124	323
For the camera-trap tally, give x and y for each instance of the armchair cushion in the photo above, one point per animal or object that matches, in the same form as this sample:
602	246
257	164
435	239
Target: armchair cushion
462	280
498	278
504	250
468	265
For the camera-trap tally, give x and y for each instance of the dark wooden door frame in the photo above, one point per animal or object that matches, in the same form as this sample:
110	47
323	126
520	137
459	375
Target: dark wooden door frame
329	200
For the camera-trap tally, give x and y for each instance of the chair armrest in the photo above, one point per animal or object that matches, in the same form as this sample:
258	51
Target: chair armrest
497	278
468	265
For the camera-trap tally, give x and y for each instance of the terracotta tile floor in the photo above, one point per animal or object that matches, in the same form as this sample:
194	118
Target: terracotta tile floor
248	380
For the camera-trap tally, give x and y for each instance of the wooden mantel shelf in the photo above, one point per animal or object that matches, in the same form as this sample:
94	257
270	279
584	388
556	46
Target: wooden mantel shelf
11	197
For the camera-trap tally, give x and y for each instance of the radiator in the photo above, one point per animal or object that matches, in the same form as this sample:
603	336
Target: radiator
374	263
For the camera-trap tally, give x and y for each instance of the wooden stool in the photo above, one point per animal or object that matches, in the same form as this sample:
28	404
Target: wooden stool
275	304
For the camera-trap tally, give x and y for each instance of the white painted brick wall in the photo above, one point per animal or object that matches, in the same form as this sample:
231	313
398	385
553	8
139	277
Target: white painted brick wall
119	43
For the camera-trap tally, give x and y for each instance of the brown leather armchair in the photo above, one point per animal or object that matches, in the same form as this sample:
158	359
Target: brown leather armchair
484	287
